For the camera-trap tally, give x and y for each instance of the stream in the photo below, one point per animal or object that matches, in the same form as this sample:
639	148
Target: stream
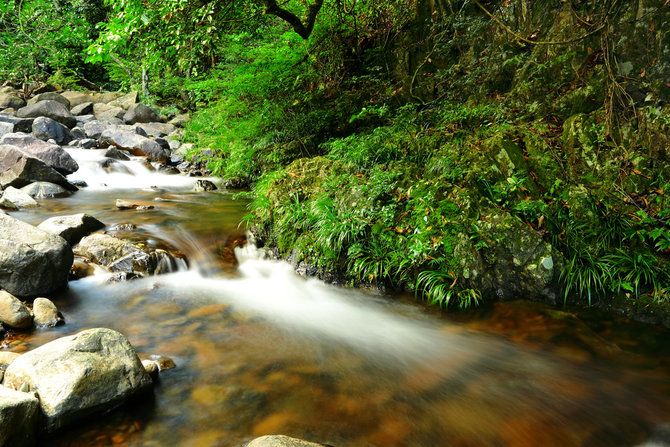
260	350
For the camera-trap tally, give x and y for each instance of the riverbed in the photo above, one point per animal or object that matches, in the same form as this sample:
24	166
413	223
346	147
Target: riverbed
260	350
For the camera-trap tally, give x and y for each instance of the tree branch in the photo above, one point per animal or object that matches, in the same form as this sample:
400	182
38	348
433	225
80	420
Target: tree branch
302	27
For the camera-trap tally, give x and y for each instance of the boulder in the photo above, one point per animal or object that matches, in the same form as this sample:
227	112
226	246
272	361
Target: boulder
104	112
204	185
82	119
72	228
136	144
19	417
281	441
82	109
51	154
80	375
15	199
19	124
77	98
125	101
106	97
133	205
116	154
13	312
141	113
93	129
45	313
180	120
45	190
32	261
45	129
19	169
51	109
42	88
11	100
49	96
78	133
6	128
156	130
88	143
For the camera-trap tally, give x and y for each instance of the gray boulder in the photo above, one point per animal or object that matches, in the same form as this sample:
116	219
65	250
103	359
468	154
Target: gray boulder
49	96
51	109
281	441
156	130
93	129
104	112
19	417
13	312
141	113
72	228
136	144
45	190
204	185
83	109
32	261
18	169
81	119
45	313
45	129
116	154
88	143
15	199
51	154
78	133
80	375
11	100
125	101
19	124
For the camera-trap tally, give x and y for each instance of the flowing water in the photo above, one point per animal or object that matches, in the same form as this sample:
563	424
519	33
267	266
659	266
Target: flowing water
261	351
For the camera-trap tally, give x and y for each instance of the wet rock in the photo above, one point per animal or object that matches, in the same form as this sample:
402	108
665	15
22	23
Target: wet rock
163	363
93	129
104	112
51	109
136	144
19	169
32	261
281	441
49	96
77	98
13	312
78	134
11	100
141	113
79	183
117	254
19	417
77	376
81	269
151	368
15	199
116	154
45	313
167	169
47	129
123	277
204	185
88	143
51	154
45	190
130	205
72	228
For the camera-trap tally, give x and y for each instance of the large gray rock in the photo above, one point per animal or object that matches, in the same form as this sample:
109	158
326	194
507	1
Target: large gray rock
125	101
46	129
11	100
80	375
94	129
141	113
72	228
82	109
19	417
32	261
19	169
104	112
136	144
13	312
19	124
77	98
15	199
281	441
51	109
6	128
51	154
49	96
45	190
